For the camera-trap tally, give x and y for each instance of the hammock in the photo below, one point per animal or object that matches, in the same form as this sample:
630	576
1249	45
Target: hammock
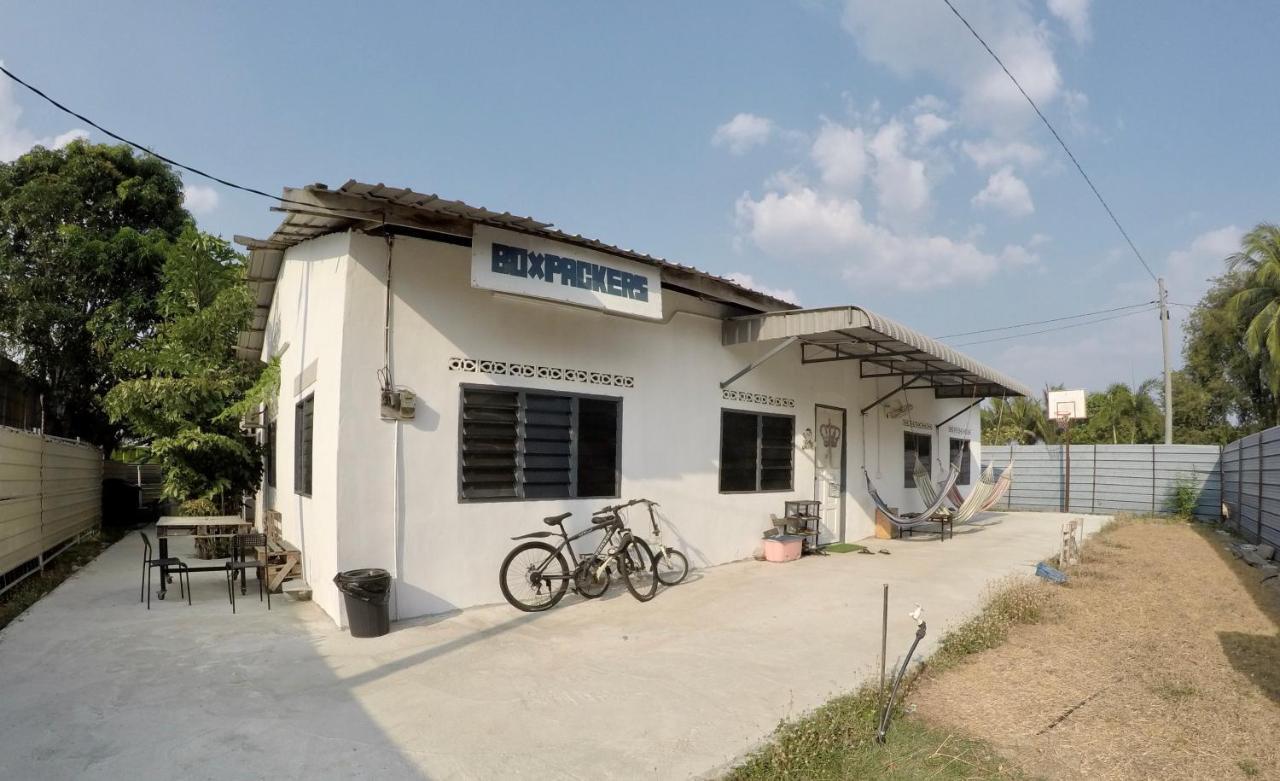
967	507
925	515
1001	486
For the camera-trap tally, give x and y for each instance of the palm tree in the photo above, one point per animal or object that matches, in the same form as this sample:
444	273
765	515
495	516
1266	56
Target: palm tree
1259	303
1019	420
1132	410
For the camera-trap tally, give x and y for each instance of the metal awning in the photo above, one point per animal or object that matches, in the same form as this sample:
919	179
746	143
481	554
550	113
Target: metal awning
884	347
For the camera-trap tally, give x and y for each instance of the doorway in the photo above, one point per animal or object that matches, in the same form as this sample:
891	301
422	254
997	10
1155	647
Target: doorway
829	471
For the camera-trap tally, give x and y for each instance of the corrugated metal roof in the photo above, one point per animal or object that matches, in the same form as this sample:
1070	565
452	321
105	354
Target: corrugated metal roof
317	210
855	333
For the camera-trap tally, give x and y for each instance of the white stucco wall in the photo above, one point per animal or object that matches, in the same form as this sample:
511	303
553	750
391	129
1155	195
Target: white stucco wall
305	330
393	486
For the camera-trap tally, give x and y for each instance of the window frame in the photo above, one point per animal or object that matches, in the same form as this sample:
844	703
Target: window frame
908	469
759	416
300	409
520	452
271	433
966	458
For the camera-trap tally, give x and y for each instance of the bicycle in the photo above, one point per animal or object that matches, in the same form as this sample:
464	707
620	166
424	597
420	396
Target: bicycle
671	566
539	572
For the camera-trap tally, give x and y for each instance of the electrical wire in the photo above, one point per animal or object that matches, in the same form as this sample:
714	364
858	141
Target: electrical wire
157	155
1051	320
1057	137
1150	308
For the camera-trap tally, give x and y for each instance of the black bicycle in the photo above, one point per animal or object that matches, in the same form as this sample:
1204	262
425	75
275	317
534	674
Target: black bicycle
535	575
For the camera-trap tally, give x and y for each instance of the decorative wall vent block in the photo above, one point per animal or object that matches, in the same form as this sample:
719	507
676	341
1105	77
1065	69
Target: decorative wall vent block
728	394
513	369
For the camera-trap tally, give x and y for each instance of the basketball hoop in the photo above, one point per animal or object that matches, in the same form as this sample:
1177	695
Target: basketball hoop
1064	420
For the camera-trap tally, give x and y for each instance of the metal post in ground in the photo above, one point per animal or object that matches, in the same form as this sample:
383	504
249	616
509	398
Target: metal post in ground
884	640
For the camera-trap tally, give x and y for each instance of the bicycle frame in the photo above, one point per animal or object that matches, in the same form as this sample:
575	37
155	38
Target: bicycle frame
567	544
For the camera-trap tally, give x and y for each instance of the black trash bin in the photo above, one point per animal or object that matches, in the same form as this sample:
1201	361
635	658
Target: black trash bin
366	593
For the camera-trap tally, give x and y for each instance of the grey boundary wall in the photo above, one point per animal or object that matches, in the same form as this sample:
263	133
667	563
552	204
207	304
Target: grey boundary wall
1251	486
1113	478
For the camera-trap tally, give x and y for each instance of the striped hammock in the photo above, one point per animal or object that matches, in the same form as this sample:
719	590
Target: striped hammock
966	508
924	516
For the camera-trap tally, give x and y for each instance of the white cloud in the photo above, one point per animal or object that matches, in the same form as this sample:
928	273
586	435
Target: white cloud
991	153
199	199
1007	193
803	224
902	188
916	37
929	126
16	140
743	132
1075	14
746	280
840	153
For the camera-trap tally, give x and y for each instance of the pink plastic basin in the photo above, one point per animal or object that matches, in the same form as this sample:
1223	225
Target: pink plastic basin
782	548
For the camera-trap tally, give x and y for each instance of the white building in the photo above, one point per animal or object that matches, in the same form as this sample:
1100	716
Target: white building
555	373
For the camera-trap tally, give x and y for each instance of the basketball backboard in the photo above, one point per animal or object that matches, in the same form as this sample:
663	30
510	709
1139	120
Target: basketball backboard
1065	404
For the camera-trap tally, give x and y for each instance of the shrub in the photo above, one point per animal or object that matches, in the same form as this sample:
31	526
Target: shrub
1184	497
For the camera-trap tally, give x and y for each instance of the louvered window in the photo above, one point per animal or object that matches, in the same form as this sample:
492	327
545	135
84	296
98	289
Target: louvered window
303	433
518	444
756	452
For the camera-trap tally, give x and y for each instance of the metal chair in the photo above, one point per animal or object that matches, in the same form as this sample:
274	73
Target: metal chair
149	564
238	564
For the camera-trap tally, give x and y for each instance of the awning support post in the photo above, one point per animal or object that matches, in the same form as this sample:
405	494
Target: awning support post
958	414
790	340
902	387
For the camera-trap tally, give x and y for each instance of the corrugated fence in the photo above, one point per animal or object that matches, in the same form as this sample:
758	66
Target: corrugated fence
1111	478
1251	485
50	492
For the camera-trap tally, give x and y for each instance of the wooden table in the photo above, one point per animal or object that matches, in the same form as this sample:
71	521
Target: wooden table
196	526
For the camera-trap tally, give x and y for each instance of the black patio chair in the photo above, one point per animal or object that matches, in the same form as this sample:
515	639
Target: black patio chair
239	563
149	564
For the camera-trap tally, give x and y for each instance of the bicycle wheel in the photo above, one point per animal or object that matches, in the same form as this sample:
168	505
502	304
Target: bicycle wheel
672	566
636	561
533	577
589	581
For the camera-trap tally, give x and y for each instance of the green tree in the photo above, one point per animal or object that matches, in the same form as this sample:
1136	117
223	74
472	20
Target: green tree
189	390
83	235
1125	415
1258	303
1216	358
1019	420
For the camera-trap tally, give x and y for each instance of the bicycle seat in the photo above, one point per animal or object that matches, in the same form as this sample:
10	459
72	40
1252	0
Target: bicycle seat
552	520
602	520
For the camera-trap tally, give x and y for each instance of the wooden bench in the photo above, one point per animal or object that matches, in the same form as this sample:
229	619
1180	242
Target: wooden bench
283	560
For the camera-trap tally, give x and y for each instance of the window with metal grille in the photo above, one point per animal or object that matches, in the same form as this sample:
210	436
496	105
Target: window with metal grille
915	446
303	429
959	451
756	452
525	444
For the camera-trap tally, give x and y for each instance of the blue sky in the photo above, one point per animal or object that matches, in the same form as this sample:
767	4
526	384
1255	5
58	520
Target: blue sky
861	152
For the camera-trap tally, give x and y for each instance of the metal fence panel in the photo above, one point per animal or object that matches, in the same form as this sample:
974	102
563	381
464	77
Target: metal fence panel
1112	478
50	491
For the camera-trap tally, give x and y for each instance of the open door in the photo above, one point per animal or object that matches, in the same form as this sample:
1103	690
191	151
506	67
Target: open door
829	472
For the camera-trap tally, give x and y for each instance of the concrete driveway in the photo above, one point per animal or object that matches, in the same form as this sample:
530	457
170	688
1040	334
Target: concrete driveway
95	686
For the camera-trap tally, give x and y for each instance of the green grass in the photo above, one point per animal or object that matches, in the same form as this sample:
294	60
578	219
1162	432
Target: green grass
843	547
29	591
838	739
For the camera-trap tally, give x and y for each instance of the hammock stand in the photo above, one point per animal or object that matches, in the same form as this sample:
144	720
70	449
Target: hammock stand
909	522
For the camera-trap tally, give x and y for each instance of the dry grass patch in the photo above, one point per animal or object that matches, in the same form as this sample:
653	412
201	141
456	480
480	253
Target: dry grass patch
1160	659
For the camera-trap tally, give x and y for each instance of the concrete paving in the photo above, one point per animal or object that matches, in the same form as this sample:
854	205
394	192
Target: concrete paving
95	686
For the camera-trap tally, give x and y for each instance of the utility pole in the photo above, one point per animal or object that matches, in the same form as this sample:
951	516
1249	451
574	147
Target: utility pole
1168	378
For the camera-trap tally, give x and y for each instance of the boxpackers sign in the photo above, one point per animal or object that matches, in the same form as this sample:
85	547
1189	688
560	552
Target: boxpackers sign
523	265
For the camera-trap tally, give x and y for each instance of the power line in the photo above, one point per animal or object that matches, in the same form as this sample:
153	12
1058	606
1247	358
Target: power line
1061	143
1150	308
1051	320
157	155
